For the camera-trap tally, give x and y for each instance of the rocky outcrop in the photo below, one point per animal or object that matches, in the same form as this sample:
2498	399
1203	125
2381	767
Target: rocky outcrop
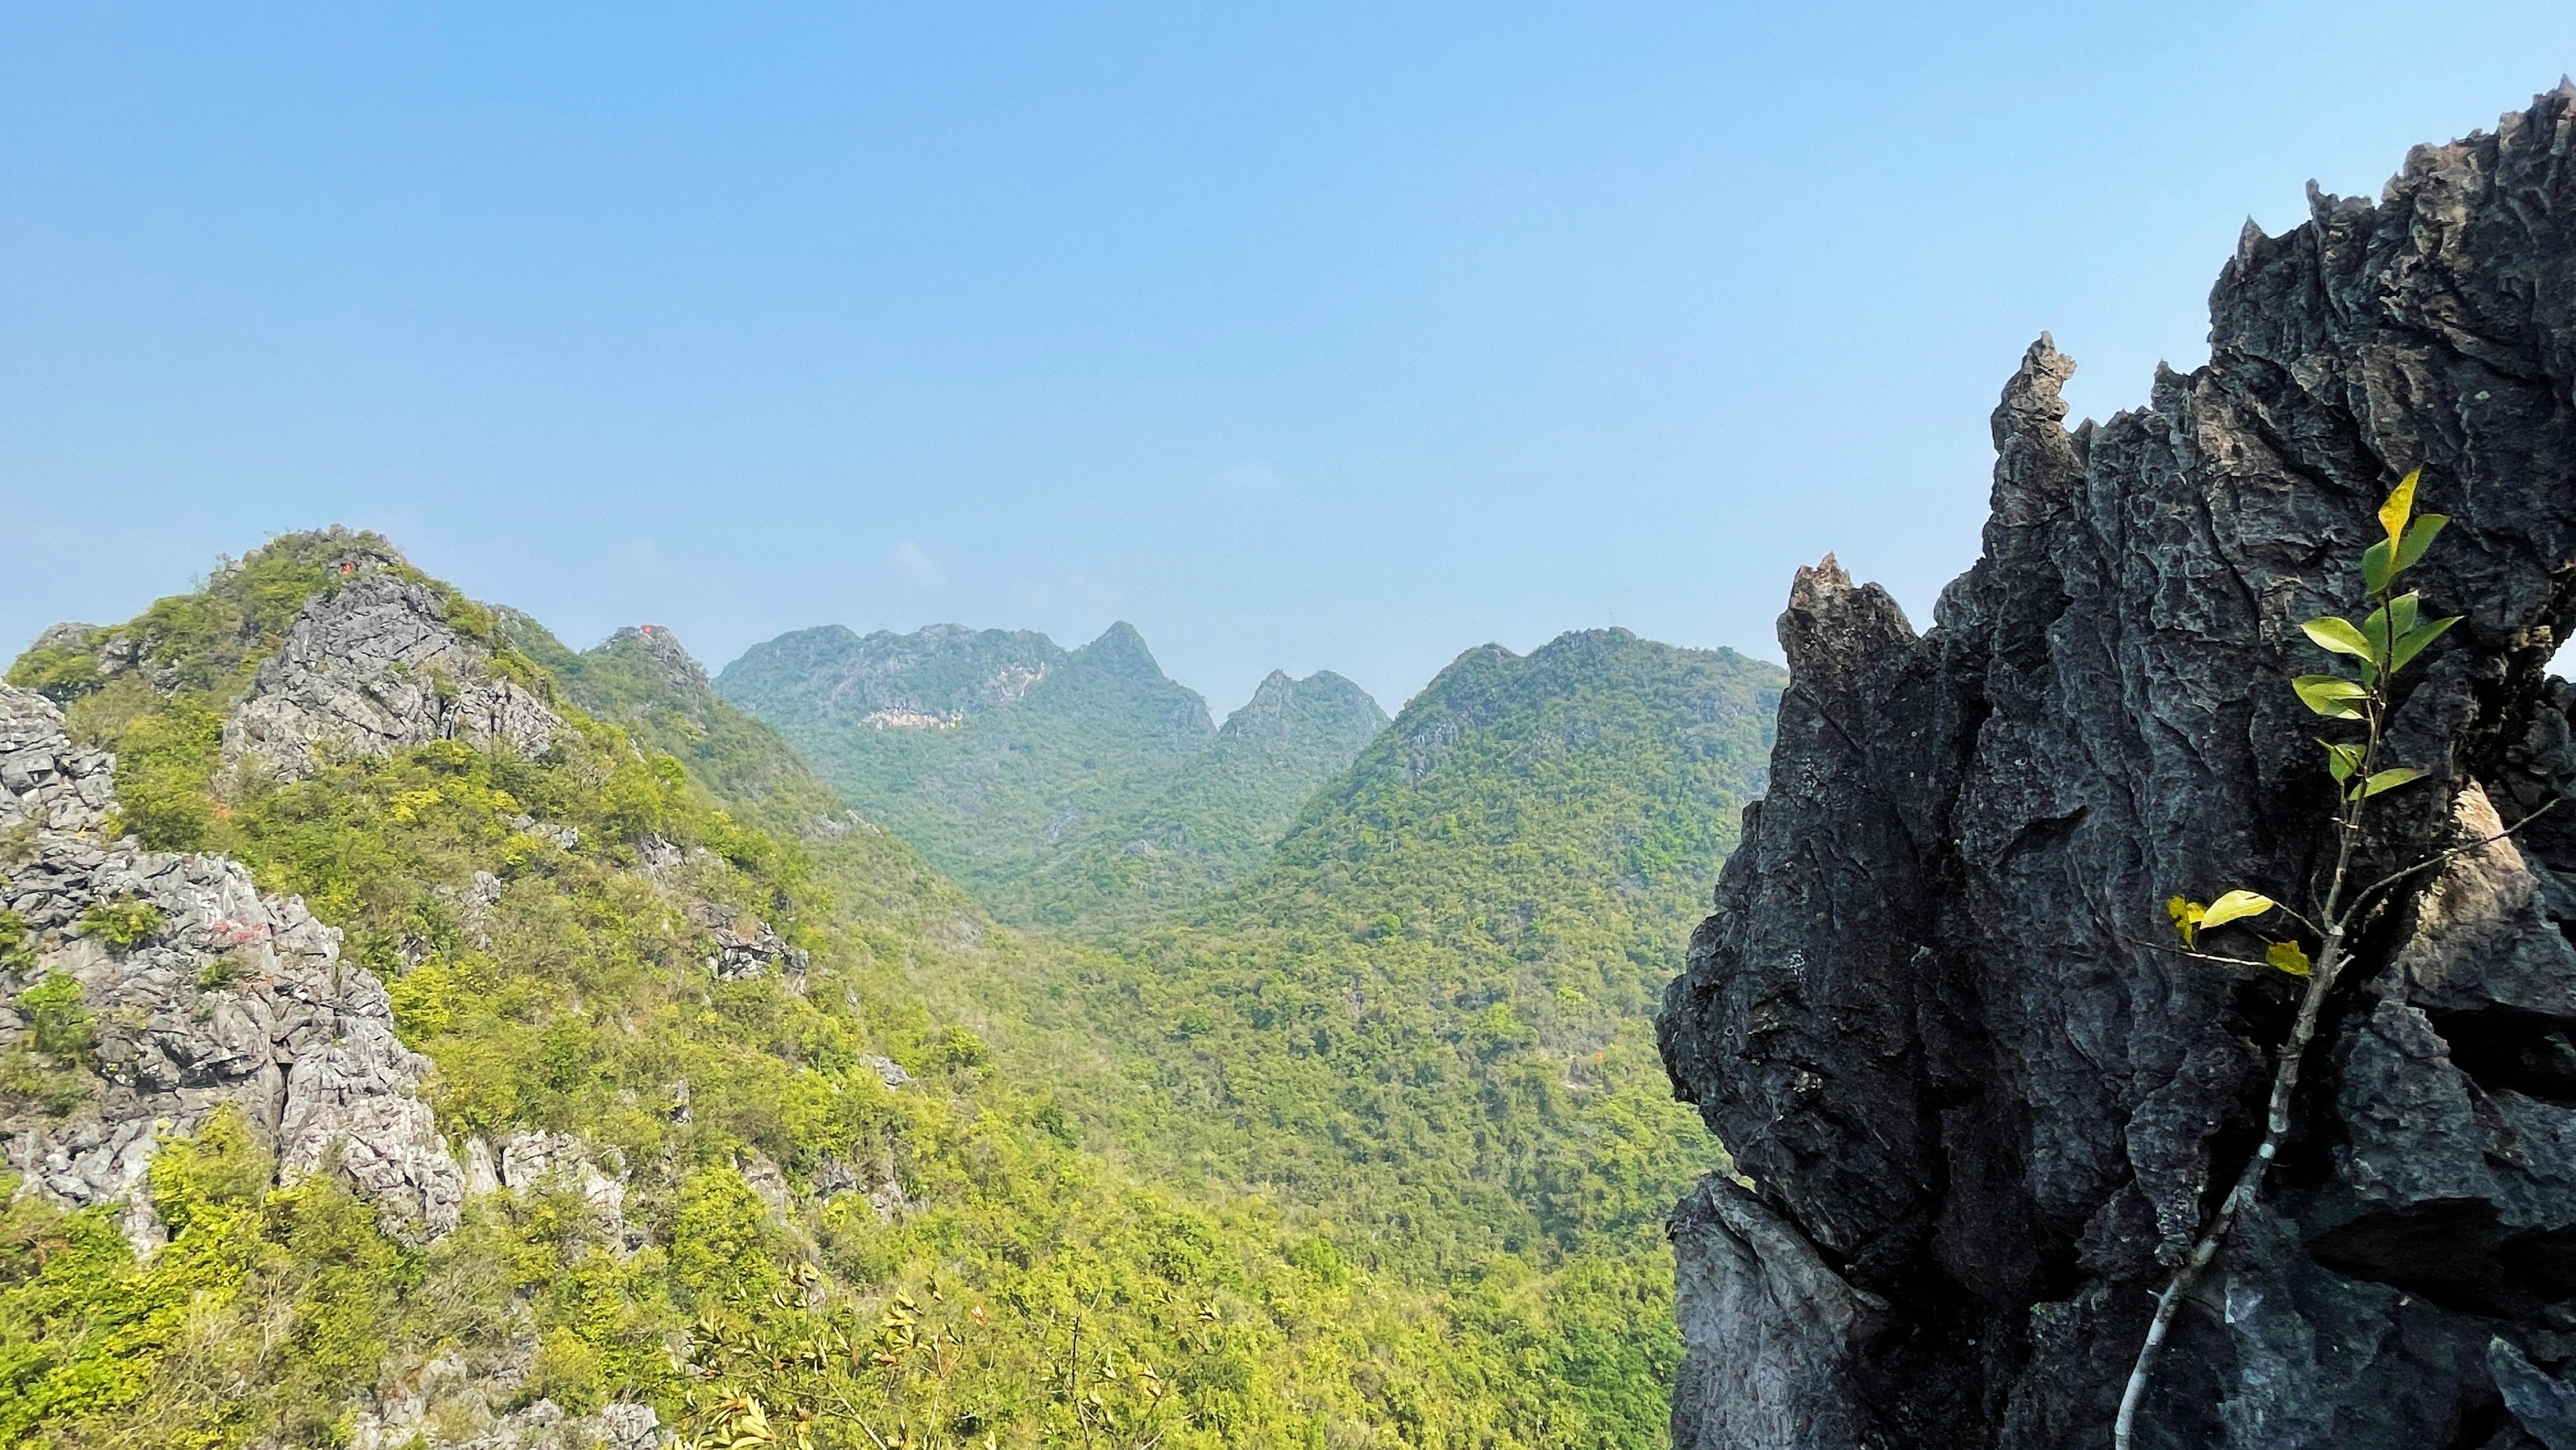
529	1161
372	667
46	783
447	1403
195	991
745	946
1980	1111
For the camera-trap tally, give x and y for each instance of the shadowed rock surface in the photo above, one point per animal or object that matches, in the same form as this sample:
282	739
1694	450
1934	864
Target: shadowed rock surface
1981	1111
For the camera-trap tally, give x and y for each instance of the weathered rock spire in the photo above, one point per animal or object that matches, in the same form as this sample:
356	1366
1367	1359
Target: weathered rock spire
1980	1111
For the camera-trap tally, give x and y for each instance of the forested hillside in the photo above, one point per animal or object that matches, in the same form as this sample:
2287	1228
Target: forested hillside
1425	1025
701	1128
1079	788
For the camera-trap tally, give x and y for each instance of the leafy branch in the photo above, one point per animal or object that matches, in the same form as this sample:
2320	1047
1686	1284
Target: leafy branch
2382	643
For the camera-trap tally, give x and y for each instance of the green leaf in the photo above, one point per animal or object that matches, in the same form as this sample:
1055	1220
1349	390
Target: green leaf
2389	779
2288	957
2384	625
2330	695
2412	642
2337	634
2401	504
2418	539
2374	567
2234	906
2343	760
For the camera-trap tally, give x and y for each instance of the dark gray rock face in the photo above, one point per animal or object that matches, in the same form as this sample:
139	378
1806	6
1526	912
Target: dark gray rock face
1980	1110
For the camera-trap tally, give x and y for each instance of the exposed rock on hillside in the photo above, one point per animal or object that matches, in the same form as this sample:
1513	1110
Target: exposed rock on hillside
46	783
374	667
1980	1112
216	994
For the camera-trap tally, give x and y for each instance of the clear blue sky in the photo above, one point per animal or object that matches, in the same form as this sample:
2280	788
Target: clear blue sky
1320	336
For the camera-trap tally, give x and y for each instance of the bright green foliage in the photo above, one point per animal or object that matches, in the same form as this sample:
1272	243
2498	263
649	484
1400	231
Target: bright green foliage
265	1312
46	1065
2384	642
1424	1028
1074	788
17	948
122	925
1040	1274
58	1025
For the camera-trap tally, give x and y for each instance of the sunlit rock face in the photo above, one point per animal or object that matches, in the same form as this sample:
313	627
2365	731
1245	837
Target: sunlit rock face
374	667
1980	1111
229	996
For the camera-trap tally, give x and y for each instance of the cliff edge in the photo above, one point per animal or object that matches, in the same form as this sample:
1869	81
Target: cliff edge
1979	1110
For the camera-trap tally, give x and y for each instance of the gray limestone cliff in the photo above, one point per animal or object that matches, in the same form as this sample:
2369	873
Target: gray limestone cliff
373	667
213	994
1978	1111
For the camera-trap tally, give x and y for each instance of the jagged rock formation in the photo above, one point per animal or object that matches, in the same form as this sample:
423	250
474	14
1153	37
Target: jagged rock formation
46	783
448	1392
227	996
373	667
1979	1110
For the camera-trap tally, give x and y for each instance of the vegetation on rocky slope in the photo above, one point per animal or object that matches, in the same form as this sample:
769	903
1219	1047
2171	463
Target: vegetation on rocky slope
1106	1197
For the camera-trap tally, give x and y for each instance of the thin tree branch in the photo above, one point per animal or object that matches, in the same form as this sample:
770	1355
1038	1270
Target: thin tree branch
2362	897
2169	949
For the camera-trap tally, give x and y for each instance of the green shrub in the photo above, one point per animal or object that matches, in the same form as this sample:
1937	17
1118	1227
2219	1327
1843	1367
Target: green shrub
17	943
121	925
57	673
59	1024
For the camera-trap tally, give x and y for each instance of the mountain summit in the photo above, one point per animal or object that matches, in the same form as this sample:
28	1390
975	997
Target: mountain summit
1072	787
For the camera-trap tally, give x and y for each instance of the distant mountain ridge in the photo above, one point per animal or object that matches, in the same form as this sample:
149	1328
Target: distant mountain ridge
1065	787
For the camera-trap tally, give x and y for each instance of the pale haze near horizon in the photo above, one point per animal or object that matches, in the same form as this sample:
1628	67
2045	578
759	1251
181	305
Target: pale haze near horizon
1345	340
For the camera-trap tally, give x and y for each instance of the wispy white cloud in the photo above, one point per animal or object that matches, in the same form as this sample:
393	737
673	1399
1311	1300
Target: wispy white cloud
914	563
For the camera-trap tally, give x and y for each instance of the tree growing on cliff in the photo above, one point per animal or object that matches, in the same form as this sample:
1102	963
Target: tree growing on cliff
2381	644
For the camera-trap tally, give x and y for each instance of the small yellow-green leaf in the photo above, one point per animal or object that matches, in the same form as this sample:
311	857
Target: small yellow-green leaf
2337	634
2400	506
2342	760
2329	695
2186	914
2288	957
2234	906
2412	642
2389	779
2418	538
